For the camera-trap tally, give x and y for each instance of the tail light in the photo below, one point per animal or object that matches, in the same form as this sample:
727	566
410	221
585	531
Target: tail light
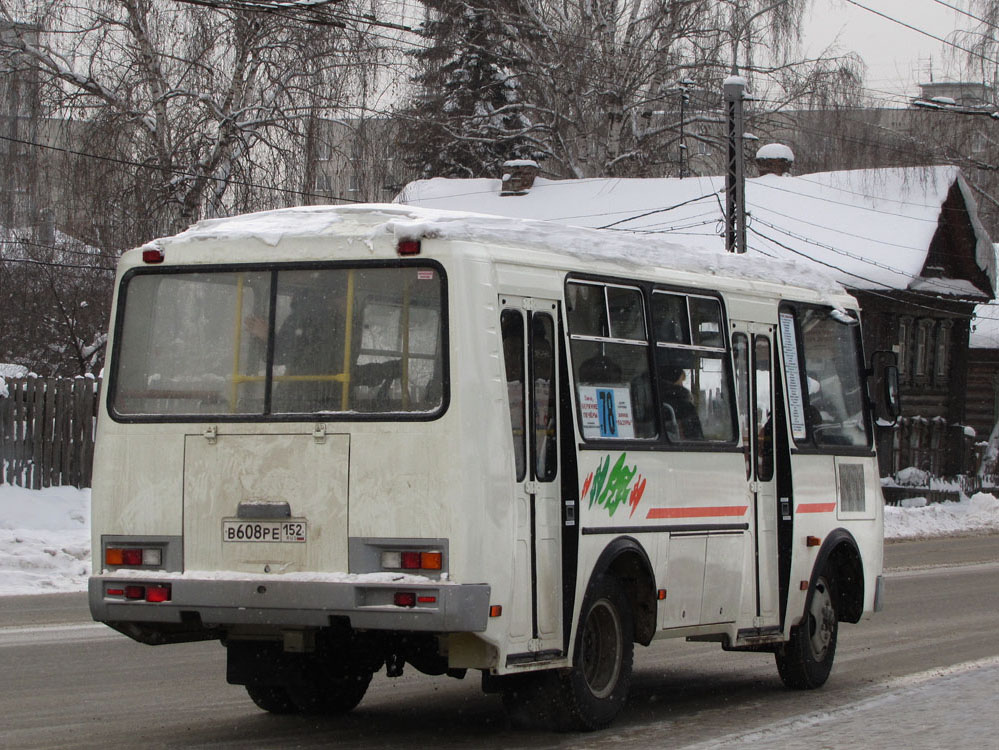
412	560
133	557
404	599
153	593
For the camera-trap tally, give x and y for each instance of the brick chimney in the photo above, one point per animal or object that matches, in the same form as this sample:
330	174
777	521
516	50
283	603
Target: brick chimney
774	158
518	176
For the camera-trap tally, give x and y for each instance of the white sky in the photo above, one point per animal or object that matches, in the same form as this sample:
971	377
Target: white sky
897	58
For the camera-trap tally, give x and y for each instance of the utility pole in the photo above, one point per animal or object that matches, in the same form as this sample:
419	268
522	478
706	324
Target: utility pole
735	180
684	98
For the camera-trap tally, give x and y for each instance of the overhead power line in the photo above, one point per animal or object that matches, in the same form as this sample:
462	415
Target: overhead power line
918	30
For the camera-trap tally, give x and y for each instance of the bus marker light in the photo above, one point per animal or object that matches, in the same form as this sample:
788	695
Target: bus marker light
152	255
495	610
113	556
404	599
135	592
431	560
158	594
803	586
661	594
813	541
408	247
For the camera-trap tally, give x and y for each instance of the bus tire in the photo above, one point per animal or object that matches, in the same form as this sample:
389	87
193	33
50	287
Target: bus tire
804	662
594	691
330	695
272	698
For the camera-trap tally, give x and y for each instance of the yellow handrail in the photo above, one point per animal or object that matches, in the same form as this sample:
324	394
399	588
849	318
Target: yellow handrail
238	339
347	335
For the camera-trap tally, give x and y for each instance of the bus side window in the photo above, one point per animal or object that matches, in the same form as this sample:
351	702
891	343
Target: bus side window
692	368
610	360
512	325
740	355
543	395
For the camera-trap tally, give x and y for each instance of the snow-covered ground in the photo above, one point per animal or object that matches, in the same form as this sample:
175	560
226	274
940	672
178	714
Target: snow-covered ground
45	534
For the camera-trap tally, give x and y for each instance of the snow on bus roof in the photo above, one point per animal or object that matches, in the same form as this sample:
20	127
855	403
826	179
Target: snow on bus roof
627	249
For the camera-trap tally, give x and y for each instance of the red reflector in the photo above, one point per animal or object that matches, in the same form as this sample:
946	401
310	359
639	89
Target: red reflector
408	247
158	594
135	592
411	560
131	557
404	599
803	586
427	599
116	592
152	255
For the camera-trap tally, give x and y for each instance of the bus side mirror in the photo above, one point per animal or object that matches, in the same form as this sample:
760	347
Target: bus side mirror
887	394
891	396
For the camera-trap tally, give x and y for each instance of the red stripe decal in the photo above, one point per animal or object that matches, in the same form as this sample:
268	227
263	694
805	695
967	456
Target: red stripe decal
715	512
816	508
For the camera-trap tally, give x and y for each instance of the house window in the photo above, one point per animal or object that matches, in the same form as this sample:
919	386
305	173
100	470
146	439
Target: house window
904	331
703	149
923	349
941	365
324	183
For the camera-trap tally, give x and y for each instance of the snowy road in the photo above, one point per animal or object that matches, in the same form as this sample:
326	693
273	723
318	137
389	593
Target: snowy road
71	684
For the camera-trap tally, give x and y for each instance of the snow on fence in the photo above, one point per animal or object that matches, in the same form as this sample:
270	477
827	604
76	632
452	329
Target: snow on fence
47	431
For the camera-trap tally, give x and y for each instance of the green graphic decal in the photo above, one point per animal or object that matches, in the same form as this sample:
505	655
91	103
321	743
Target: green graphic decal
611	487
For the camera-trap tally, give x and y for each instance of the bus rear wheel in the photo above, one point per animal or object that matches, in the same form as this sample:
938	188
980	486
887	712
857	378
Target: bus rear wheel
804	662
272	698
594	691
323	694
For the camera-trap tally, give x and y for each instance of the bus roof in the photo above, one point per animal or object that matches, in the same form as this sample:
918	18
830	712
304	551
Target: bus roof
394	222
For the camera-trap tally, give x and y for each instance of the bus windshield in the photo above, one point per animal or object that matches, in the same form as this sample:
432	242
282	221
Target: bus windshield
245	343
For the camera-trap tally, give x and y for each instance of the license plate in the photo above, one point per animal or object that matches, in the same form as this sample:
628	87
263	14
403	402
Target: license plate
263	531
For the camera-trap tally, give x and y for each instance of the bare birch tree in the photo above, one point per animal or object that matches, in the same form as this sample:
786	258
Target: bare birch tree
201	110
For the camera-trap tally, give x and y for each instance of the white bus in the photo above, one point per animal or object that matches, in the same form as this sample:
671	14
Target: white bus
341	439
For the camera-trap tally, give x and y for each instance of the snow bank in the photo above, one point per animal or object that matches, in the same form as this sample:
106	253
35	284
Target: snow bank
980	513
44	540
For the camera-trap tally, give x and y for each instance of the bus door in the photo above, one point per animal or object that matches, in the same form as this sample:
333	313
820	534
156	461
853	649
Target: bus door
529	329
752	346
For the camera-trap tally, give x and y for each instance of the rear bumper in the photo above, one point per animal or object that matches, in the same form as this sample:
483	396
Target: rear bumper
213	605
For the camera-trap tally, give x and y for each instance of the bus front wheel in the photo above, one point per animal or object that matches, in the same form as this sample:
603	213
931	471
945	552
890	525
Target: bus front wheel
804	662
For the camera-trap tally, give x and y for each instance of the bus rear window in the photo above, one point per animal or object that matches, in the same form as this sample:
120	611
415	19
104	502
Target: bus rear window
353	341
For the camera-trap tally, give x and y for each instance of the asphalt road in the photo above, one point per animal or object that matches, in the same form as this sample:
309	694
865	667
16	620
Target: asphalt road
71	683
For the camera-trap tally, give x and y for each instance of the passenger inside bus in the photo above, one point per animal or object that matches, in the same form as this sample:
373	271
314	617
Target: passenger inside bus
679	413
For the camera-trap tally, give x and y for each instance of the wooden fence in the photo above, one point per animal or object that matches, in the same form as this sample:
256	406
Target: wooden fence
47	431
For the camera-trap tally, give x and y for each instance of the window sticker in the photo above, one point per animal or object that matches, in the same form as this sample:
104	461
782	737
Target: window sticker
606	412
795	396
